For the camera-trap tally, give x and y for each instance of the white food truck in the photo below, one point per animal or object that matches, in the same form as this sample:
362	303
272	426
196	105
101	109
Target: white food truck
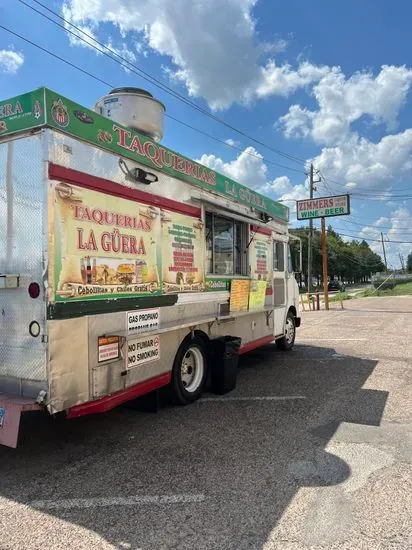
122	261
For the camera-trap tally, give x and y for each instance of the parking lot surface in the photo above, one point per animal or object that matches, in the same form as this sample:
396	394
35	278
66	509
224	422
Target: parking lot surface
311	451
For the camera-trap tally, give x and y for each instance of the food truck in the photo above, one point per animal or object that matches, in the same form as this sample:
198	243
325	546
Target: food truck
122	261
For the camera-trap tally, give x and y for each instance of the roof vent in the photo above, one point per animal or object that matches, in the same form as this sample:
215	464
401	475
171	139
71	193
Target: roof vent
135	108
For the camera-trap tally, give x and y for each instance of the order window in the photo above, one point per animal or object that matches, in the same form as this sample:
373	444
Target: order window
278	256
225	246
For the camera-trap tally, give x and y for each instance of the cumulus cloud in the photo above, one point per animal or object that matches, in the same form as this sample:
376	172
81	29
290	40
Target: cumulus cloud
247	168
285	79
216	57
232	142
346	156
394	228
222	60
370	165
342	101
85	36
11	61
250	169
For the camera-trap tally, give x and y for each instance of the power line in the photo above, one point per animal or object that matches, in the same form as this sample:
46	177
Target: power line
366	197
267	161
361	238
371	195
374	240
378	227
140	72
153	80
362	263
377	217
392	198
45	50
55	55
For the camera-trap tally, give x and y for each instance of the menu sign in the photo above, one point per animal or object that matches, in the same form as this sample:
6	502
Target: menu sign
257	294
239	294
260	253
182	253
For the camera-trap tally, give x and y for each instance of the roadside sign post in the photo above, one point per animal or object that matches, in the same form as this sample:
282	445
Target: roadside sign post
325	262
323	207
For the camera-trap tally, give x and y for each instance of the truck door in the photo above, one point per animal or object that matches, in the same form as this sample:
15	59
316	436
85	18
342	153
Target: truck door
279	286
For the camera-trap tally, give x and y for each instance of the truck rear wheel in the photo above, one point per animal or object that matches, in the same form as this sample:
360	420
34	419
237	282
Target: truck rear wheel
189	372
286	342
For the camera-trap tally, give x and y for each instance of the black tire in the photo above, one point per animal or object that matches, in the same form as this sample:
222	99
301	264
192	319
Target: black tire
189	372
287	341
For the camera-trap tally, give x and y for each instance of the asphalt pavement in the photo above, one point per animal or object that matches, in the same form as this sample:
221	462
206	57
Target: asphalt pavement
311	451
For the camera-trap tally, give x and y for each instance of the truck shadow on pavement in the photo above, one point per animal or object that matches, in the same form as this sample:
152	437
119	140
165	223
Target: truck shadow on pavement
234	464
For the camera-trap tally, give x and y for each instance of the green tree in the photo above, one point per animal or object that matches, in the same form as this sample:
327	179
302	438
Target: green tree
409	263
352	262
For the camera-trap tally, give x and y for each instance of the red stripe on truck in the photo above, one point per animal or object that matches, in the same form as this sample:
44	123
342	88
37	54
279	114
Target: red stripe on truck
113	400
68	175
249	346
262	230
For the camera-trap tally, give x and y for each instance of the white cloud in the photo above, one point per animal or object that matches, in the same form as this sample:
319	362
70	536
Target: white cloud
247	168
250	169
232	143
397	228
381	221
123	51
342	101
86	36
284	80
213	45
11	61
370	165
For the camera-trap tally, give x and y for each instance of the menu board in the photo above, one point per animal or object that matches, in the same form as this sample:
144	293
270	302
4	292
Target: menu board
239	294
182	253
260	254
257	294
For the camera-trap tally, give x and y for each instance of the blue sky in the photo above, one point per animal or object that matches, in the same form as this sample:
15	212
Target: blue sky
320	80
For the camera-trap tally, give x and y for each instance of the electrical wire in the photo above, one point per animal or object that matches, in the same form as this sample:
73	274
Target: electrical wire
362	238
55	55
140	72
98	79
366	196
151	79
380	227
374	240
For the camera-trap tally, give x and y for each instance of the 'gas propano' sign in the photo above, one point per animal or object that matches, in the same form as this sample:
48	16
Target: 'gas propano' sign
338	205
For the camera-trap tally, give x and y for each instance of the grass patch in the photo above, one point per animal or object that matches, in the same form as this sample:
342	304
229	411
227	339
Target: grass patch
399	290
340	296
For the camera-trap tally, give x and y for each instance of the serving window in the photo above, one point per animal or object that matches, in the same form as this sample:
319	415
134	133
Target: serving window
278	256
226	246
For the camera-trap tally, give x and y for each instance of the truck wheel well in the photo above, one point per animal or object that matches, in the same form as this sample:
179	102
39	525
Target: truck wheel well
199	334
202	335
292	309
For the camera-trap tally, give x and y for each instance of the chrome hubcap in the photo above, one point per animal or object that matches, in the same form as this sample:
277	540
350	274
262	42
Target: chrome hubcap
290	330
192	369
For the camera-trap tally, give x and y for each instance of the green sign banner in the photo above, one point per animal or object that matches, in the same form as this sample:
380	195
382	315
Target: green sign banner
46	108
22	112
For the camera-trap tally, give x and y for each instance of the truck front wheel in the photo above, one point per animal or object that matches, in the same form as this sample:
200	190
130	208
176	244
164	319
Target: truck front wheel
189	372
287	341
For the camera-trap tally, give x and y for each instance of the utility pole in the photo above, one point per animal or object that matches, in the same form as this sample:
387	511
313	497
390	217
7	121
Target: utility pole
311	185
384	252
402	261
325	263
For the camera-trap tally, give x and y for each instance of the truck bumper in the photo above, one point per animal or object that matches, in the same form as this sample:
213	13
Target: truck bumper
298	321
11	408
